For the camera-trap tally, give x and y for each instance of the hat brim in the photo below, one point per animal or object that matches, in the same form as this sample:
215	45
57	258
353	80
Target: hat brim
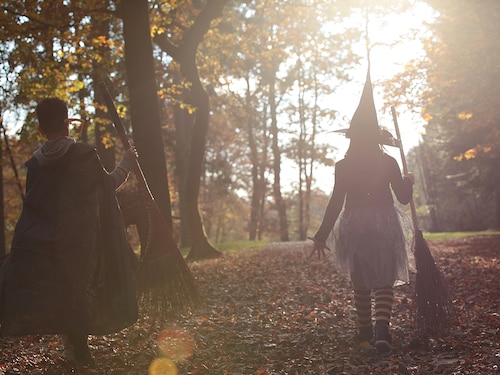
384	138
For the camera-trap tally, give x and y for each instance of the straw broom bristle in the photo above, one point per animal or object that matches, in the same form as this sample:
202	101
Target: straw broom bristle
165	286
435	311
164	282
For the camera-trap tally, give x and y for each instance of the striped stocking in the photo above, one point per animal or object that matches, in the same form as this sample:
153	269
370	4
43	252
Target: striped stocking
363	304
384	299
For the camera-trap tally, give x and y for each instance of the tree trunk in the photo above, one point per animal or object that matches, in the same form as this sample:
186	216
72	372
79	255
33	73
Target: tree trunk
258	175
255	199
184	53
144	109
82	96
262	177
280	203
429	189
301	155
312	157
254	207
3	248
497	209
182	122
201	248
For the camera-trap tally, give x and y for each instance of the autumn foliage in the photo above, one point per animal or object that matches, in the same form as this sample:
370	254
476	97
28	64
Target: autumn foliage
274	311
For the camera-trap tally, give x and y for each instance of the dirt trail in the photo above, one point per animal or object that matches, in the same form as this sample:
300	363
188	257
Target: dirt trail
275	311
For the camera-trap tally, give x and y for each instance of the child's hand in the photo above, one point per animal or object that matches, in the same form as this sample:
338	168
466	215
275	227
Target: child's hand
319	248
410	177
130	154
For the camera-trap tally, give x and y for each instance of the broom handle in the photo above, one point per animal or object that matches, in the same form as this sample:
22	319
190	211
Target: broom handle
122	134
405	167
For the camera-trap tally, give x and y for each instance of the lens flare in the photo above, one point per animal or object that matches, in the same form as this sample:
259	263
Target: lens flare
175	344
163	366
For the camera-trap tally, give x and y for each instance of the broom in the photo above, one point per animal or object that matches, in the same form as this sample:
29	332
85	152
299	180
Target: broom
435	310
163	280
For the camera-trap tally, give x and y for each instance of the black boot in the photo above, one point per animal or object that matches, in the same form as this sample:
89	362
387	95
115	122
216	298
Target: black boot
383	340
77	345
365	334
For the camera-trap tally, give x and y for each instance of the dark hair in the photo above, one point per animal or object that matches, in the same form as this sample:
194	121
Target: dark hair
363	149
52	114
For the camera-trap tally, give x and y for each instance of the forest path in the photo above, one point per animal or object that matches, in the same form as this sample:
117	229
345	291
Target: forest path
274	310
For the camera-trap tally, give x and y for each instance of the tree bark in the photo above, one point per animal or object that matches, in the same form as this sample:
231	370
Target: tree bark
3	247
182	151
144	109
201	248
100	27
185	55
301	155
497	210
429	189
278	198
312	157
257	201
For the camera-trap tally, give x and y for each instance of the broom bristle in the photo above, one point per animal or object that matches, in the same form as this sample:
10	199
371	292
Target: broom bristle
165	286
164	283
435	311
163	279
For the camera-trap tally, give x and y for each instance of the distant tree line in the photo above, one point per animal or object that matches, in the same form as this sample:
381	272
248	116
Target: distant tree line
458	159
240	90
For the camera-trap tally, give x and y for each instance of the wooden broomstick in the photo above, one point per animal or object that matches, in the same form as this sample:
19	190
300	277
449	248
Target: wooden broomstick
434	305
163	280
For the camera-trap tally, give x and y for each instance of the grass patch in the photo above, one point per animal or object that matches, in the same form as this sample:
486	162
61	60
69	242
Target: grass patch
231	247
455	235
236	246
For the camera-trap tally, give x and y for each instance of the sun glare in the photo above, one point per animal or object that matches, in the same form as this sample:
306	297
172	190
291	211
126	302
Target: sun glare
394	41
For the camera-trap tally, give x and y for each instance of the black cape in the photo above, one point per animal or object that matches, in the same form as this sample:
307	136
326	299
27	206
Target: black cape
70	268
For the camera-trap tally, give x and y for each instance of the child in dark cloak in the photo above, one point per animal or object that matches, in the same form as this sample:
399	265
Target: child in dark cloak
70	267
371	237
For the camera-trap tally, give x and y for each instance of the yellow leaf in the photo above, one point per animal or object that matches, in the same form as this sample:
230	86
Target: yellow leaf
464	116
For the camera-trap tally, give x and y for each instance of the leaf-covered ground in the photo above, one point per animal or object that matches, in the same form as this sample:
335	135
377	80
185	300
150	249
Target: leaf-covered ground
274	311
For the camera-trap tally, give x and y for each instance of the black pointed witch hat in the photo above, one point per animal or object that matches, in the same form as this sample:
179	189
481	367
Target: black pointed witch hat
364	123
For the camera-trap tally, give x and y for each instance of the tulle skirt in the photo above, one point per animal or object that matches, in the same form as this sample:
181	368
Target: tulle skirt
374	247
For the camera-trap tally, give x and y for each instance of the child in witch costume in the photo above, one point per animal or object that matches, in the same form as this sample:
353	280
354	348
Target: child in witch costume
70	267
371	237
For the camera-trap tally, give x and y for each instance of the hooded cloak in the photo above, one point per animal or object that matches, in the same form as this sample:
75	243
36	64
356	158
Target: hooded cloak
70	265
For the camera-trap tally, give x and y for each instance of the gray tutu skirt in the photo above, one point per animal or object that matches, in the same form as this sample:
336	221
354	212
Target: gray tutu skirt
374	247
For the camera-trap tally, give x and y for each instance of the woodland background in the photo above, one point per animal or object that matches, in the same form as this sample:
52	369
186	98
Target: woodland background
222	96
